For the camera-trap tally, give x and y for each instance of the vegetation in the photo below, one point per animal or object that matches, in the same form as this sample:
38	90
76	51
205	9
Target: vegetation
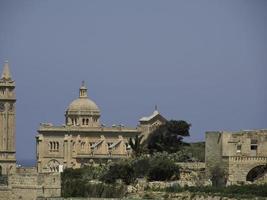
218	176
247	191
74	181
168	137
195	151
121	170
136	145
155	168
162	169
77	182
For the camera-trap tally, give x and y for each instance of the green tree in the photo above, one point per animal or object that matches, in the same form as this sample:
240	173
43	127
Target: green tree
168	137
136	145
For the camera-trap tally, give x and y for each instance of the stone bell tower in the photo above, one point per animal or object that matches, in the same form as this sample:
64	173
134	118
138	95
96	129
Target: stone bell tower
7	122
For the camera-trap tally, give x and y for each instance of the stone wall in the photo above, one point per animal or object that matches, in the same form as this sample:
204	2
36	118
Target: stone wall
239	167
236	152
213	151
27	184
5	193
192	165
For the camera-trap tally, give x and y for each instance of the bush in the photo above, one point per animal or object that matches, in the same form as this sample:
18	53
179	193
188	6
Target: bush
162	169
122	170
156	168
141	166
76	182
73	181
218	176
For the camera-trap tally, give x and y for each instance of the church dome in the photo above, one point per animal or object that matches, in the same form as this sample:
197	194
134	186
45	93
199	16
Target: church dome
83	104
83	111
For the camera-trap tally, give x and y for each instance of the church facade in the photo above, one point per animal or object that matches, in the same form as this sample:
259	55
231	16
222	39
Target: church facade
83	140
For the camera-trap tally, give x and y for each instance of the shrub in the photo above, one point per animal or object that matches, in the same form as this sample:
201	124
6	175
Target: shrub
73	181
122	170
162	169
218	176
141	166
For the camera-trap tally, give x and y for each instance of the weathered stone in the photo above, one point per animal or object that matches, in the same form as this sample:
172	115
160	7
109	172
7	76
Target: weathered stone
237	153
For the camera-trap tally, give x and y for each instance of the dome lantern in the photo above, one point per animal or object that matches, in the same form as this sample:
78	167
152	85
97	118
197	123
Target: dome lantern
83	91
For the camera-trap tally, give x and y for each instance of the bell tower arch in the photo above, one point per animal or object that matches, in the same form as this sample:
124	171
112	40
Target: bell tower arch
7	121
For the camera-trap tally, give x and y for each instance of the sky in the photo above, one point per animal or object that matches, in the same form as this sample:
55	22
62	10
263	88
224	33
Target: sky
200	61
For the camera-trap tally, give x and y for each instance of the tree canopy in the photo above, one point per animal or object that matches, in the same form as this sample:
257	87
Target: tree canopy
168	137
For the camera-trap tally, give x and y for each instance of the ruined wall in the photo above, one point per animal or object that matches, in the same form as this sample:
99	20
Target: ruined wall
213	151
236	152
27	184
239	167
5	193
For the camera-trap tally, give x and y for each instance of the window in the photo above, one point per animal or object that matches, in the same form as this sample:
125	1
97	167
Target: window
82	145
253	147
238	148
53	146
57	146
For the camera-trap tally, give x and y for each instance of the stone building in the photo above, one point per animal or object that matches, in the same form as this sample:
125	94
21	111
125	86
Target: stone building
242	155
17	183
83	140
150	123
7	122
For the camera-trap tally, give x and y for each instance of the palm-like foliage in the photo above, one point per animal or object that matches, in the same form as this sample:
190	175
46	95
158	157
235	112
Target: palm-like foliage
136	145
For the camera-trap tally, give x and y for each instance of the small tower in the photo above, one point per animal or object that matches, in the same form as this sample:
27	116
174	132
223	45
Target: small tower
151	123
7	122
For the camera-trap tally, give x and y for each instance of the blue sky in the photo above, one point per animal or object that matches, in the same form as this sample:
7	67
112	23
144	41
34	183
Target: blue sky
201	61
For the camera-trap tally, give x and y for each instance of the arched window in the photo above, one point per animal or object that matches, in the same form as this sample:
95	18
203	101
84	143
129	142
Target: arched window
82	145
53	165
57	146
87	121
256	173
83	121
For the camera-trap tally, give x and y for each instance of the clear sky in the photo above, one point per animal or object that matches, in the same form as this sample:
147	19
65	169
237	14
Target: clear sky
201	61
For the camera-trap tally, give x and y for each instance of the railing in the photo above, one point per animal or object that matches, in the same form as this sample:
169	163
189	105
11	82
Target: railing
248	158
